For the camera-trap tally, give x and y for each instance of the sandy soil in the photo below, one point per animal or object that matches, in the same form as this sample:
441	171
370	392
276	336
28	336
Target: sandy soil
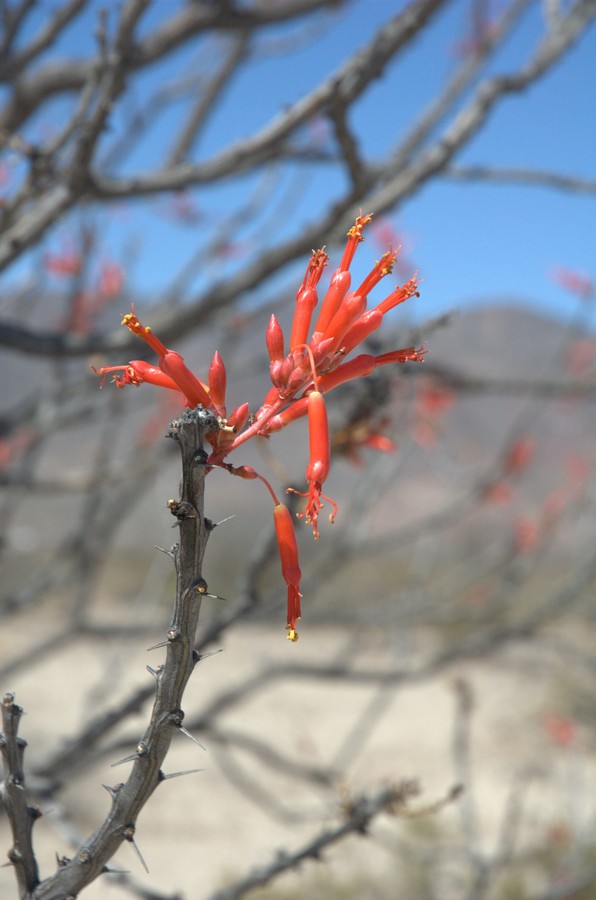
202	830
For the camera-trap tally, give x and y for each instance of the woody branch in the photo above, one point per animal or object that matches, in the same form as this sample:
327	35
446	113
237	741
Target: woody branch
171	678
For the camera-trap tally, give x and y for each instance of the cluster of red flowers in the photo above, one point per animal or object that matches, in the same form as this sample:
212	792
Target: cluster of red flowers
301	375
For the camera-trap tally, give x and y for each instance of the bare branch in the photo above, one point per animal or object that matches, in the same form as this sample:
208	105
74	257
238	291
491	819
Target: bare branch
342	87
359	815
207	98
529	177
171	678
21	815
13	65
405	182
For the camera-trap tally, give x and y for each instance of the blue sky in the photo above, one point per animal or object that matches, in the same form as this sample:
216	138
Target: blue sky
472	243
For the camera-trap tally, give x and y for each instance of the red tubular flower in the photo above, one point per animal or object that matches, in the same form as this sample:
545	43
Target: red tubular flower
363	365
409	354
354	238
297	410
407	290
137	372
318	466
306	299
317	469
290	568
359	367
338	288
171	363
383	267
341	280
305	304
360	329
300	379
349	311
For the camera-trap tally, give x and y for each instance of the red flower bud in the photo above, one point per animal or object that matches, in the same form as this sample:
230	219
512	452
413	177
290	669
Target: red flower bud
243	472
280	372
274	338
234	423
237	420
217	383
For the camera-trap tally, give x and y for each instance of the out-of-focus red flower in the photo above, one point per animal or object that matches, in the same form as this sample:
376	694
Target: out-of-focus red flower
386	234
559	835
519	454
526	535
431	402
14	446
363	432
111	279
497	492
575	282
581	355
424	434
63	264
562	730
577	469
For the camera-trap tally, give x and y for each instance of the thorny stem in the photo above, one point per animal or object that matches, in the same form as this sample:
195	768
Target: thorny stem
171	678
21	816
